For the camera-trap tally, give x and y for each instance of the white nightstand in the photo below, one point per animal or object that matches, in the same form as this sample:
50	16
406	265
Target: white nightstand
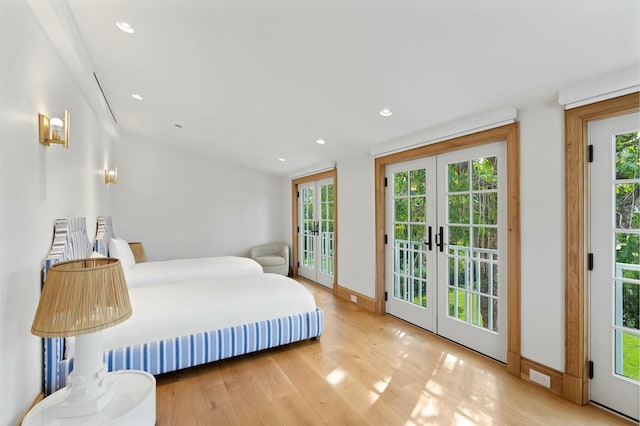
134	403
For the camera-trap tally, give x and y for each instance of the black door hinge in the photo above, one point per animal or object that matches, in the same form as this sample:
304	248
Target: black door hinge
590	261
591	369
386	239
298	194
386	296
590	154
385	182
298	264
298	229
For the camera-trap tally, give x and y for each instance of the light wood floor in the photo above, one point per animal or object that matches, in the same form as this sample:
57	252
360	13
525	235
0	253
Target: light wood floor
365	369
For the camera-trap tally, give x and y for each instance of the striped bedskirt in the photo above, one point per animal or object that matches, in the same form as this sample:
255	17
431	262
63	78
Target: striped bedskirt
188	351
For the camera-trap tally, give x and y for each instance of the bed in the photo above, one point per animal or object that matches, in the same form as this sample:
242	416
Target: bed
169	270
212	326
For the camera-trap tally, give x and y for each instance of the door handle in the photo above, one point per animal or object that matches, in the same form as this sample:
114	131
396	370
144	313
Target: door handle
429	243
441	243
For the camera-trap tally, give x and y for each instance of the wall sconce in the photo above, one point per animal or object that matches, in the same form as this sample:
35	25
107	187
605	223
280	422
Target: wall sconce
49	130
111	176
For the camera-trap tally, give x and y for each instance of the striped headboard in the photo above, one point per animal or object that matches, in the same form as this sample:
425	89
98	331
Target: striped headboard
70	242
104	233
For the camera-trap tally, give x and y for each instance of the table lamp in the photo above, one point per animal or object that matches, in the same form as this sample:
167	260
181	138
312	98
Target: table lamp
81	298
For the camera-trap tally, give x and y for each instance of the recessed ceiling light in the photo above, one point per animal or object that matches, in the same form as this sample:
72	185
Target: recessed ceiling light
385	112
281	159
124	26
320	141
136	97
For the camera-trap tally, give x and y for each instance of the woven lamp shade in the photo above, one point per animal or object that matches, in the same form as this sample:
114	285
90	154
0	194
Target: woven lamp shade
80	297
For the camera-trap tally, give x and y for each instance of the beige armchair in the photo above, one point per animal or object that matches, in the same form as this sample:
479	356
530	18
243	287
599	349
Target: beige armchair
274	257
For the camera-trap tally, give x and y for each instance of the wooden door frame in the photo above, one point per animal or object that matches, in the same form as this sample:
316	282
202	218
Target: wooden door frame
576	343
509	134
333	173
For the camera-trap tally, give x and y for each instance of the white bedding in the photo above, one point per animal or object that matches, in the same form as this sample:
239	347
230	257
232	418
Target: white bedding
169	271
180	309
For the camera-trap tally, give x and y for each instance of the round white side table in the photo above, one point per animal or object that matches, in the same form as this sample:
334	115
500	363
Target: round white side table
134	403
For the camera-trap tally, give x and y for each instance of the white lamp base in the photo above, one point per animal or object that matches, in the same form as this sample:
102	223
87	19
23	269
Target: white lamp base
79	401
133	403
89	391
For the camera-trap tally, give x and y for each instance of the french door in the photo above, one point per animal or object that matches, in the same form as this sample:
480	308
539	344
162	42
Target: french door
411	260
615	278
316	224
446	246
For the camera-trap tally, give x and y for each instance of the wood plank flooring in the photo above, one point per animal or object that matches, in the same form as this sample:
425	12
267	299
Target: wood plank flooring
366	369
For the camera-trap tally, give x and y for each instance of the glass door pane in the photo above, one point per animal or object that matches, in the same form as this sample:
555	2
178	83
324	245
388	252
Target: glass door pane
410	223
325	231
326	228
409	267
472	195
626	190
307	232
471	277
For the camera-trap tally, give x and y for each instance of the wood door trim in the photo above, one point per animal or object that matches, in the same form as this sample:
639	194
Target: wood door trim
510	134
576	343
294	219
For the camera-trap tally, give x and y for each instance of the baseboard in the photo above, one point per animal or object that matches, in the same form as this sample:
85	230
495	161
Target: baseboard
575	389
555	377
38	398
361	300
514	363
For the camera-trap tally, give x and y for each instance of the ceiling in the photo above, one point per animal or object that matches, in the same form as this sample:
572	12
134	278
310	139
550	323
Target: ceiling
253	81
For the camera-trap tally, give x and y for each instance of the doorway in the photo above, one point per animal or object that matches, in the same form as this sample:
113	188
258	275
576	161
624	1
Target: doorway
314	232
510	135
316	235
614	279
446	230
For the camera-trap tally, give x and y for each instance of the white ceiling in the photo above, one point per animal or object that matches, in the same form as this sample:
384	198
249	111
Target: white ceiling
254	80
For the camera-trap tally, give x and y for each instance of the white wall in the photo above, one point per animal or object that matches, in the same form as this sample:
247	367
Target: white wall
181	204
542	234
3	320
37	185
356	225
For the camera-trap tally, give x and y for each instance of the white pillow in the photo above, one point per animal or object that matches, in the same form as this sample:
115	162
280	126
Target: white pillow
120	249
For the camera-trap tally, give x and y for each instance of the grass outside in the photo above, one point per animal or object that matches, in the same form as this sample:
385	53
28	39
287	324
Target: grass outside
631	356
476	318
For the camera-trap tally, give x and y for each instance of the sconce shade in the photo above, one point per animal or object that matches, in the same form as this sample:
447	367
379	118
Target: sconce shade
80	297
56	123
